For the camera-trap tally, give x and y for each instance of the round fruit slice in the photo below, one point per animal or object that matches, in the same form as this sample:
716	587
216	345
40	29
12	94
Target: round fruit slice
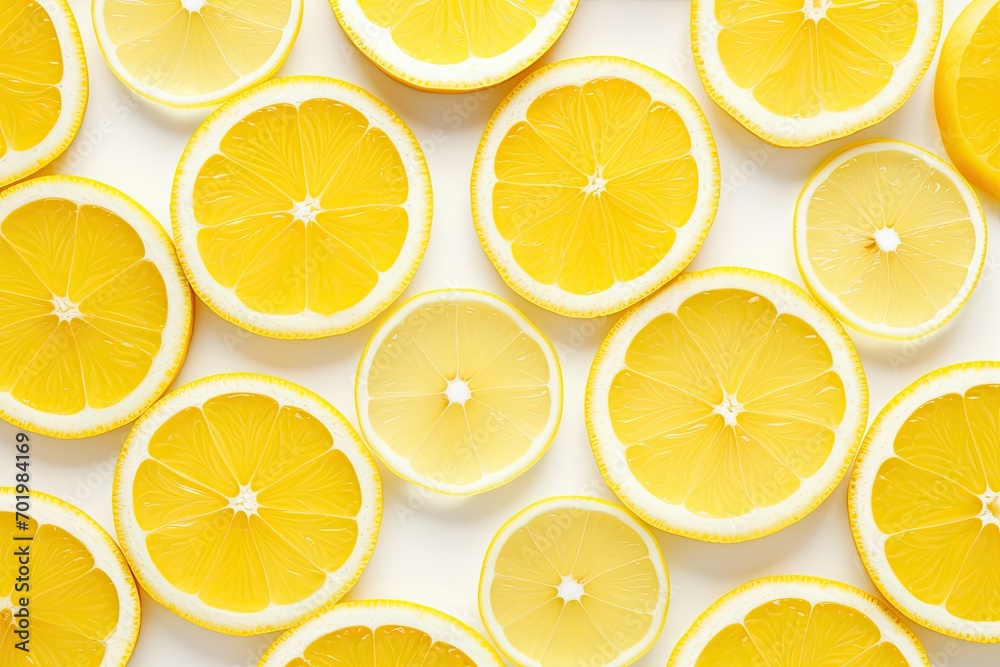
301	208
595	183
574	581
43	74
925	501
453	45
82	605
380	633
798	621
726	407
191	53
95	313
244	502
965	94
458	392
801	72
890	238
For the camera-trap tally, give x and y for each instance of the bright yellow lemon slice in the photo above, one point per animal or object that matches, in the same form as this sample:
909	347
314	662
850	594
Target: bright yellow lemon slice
726	407
245	502
925	501
595	183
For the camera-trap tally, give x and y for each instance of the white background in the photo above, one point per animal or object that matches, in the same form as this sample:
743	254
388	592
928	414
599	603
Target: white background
431	548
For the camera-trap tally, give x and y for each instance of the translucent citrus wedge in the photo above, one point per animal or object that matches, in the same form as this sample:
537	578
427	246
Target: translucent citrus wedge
301	208
82	603
458	392
380	633
191	53
925	501
798	621
574	581
727	406
244	502
595	183
801	72
43	76
965	94
453	45
890	238
95	313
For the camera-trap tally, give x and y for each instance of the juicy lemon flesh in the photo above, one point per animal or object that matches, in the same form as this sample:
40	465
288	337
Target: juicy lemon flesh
82	308
302	209
447	32
977	89
194	47
73	604
246	503
799	59
31	69
593	185
891	237
726	405
936	500
574	587
384	646
459	390
789	632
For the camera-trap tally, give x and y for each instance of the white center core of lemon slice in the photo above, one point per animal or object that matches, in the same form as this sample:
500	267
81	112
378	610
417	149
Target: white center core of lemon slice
992	501
65	309
306	209
193	5
729	409
816	9
245	501
596	184
458	391
887	239
570	589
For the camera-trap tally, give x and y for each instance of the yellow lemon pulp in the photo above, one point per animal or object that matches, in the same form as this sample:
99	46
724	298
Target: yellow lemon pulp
383	646
302	208
726	405
188	48
31	69
592	186
789	632
82	307
799	59
977	89
937	499
246	503
74	607
445	32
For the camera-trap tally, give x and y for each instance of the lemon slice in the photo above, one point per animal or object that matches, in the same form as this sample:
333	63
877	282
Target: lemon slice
965	94
43	75
890	238
595	183
453	45
301	208
798	621
726	407
380	633
574	581
95	314
458	392
925	501
801	72
82	604
244	502
191	53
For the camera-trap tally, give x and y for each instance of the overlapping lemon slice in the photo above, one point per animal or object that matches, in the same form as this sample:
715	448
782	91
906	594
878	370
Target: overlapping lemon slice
95	313
798	621
244	502
574	581
43	76
925	501
801	72
890	238
75	601
301	208
190	53
727	406
595	183
453	45
380	633
458	392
